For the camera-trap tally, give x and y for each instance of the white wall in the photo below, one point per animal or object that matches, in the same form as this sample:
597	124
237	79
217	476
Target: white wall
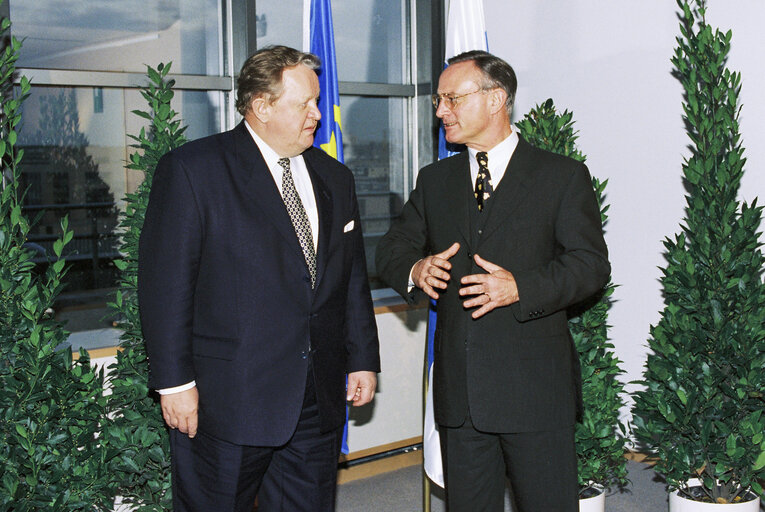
396	412
609	62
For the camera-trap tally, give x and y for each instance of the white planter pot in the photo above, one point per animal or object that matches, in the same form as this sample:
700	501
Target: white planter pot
594	504
678	503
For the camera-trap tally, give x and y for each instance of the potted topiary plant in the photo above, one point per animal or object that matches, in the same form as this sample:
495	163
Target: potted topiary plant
701	410
600	436
142	469
51	406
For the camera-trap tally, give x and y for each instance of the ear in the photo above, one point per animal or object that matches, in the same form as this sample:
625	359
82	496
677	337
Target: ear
497	98
261	109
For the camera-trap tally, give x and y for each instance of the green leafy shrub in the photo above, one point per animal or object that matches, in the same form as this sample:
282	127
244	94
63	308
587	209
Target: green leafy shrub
600	436
51	407
142	469
701	412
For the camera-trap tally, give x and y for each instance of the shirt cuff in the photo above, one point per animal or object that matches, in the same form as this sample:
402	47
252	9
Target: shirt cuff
410	284
177	389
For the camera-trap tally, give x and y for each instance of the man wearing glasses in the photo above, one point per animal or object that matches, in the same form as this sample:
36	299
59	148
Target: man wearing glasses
505	237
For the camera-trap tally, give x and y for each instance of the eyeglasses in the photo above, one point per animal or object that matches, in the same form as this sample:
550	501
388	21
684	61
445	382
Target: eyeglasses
451	99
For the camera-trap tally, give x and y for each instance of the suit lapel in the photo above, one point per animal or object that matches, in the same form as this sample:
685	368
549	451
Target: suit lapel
511	190
458	194
258	182
324	206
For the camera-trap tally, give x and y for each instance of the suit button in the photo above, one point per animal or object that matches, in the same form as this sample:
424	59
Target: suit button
304	354
531	315
480	231
470	255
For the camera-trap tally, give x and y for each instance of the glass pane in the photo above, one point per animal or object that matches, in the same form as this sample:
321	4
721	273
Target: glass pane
375	146
279	22
369	39
369	35
75	149
123	35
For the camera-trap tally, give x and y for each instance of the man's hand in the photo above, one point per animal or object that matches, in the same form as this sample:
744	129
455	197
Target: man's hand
361	387
180	410
433	271
492	290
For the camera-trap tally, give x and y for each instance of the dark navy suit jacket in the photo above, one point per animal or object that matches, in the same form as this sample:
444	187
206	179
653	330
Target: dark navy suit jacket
225	294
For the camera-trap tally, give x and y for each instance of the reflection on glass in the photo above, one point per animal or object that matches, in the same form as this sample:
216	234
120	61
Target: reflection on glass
369	35
122	35
74	164
374	145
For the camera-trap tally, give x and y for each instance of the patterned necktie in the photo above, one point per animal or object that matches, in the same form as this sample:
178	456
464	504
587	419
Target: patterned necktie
299	218
483	188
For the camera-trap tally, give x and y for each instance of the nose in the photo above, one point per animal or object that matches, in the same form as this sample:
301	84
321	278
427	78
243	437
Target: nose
314	112
442	109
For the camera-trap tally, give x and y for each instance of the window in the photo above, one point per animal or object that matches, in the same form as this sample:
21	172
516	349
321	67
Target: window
87	58
94	35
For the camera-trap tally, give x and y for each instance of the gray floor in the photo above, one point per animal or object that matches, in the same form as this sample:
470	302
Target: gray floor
401	491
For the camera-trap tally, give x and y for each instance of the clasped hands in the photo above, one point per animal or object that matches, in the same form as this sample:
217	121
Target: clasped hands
488	291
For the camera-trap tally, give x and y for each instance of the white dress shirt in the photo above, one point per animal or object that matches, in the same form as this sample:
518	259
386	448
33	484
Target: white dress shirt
304	188
299	175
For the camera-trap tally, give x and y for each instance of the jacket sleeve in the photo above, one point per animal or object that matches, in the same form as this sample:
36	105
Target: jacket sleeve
403	245
580	267
168	263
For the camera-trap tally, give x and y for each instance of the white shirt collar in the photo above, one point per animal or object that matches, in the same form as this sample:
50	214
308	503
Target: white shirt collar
499	158
269	155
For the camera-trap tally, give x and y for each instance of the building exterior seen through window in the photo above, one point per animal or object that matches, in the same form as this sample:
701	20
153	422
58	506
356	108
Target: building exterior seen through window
87	59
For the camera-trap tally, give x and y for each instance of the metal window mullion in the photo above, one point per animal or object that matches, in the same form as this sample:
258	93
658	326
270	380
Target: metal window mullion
413	121
122	80
228	114
376	89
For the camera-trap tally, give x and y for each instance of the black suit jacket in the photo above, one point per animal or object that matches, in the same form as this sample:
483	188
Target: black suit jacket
225	293
515	367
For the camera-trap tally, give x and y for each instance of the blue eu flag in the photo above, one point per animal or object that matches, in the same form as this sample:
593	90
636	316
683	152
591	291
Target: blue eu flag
320	39
328	136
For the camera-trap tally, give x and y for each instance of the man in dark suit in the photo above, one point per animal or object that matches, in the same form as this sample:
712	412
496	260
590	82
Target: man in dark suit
506	237
255	303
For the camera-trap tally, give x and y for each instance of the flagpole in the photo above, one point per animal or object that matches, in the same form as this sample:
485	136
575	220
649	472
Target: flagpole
425	479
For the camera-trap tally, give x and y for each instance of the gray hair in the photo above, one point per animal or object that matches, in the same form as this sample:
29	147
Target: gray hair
496	73
262	73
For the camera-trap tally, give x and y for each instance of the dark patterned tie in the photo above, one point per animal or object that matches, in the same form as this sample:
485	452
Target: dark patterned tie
299	218
483	188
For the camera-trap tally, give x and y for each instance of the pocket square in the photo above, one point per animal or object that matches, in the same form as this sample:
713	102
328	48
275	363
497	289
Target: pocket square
348	227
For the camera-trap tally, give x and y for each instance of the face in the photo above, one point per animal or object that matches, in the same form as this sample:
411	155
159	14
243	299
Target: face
468	121
290	121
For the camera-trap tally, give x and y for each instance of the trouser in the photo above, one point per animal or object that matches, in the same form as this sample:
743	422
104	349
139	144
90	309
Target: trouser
212	475
540	467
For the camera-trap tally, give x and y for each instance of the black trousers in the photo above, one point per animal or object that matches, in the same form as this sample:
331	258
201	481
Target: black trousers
212	475
540	466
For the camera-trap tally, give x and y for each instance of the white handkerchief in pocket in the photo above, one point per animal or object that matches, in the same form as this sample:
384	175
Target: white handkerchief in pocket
348	227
